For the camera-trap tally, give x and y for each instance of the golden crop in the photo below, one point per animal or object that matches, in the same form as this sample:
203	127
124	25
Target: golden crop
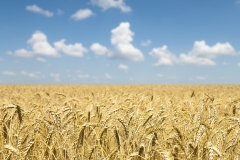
110	122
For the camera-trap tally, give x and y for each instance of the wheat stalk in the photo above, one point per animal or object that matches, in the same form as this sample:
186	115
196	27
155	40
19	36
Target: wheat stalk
81	137
12	149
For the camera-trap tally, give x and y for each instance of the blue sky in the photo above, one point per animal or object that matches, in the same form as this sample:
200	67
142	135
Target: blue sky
119	42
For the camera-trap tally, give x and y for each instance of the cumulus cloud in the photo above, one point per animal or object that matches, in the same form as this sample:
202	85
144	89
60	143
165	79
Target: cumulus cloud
146	43
23	53
72	50
41	59
202	54
121	40
82	14
39	45
31	75
34	8
188	59
98	49
163	56
56	76
108	76
83	76
201	49
9	73
106	4
123	67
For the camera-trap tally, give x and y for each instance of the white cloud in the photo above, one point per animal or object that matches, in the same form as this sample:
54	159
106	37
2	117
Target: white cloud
31	75
36	9
41	59
108	76
72	50
98	49
123	67
8	73
121	39
238	64
60	12
238	1
184	58
56	76
82	14
106	4
1	59
146	43
201	49
202	54
83	76
39	45
23	53
163	56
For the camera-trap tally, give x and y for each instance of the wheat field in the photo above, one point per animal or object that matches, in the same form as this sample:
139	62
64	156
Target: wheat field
122	122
